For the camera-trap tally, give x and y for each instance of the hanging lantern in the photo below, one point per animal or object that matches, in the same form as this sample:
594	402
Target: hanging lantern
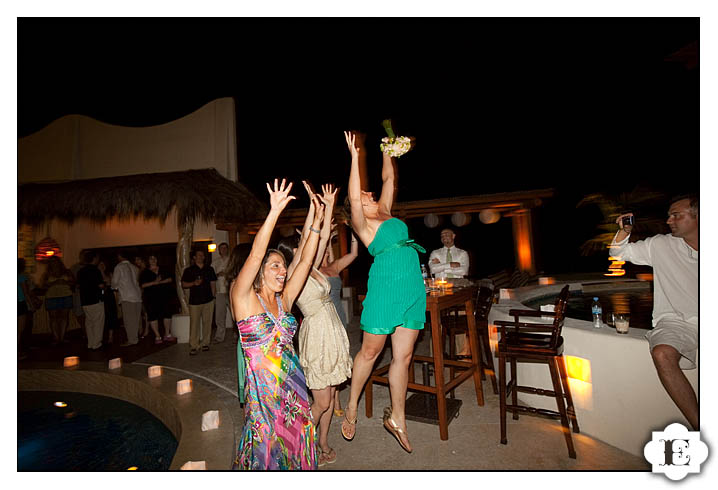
489	216
460	219
47	248
431	220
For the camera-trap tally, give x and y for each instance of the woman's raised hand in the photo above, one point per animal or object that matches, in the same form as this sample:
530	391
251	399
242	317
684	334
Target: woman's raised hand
279	196
351	140
329	194
318	210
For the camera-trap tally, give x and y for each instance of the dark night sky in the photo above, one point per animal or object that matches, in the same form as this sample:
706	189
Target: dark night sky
496	104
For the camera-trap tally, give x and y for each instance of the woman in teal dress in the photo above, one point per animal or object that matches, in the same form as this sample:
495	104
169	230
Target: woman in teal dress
395	303
278	428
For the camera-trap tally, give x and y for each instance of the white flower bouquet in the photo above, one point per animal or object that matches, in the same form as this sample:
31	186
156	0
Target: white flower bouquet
392	145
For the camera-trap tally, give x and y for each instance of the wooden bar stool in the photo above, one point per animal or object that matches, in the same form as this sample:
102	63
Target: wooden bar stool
454	323
522	342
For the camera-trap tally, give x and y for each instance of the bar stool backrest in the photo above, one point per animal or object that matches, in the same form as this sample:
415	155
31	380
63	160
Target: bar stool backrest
560	310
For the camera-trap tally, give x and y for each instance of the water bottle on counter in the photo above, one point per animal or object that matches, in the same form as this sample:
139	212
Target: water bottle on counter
596	313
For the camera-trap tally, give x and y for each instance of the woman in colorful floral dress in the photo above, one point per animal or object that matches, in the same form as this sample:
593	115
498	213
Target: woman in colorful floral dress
278	428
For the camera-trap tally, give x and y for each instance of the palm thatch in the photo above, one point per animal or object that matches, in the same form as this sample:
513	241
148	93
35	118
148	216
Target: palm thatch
196	194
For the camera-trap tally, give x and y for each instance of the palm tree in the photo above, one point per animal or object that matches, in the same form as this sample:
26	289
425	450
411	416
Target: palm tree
642	201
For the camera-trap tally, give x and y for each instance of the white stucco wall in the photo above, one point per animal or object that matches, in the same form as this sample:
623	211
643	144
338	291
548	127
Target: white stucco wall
623	400
78	147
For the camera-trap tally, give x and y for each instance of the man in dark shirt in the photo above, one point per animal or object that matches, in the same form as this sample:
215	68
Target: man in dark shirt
91	284
201	281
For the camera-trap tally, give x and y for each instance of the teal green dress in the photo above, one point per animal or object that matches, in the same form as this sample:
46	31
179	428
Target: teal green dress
396	295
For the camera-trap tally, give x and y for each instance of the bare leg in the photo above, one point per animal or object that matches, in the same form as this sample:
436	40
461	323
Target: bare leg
155	329
54	322
167	322
337	404
402	347
666	358
62	326
371	347
322	413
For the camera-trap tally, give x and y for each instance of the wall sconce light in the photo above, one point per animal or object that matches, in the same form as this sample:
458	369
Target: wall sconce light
154	371
71	361
184	386
211	247
115	363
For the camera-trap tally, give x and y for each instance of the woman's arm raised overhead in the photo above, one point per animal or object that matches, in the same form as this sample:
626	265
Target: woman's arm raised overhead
388	188
359	224
295	284
279	198
304	235
328	198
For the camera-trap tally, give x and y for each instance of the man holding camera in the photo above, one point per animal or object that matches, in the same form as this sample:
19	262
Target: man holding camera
673	341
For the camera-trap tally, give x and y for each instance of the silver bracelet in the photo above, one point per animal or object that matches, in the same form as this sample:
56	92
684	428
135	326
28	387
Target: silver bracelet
312	229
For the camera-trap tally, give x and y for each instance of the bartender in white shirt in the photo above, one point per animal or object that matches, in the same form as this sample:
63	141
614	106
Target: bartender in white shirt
449	259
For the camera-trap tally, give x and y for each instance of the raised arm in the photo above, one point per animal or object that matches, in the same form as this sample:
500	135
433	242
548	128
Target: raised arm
343	262
304	235
295	284
388	179
359	224
328	198
279	198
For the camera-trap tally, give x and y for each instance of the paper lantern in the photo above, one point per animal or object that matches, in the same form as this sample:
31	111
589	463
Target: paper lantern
460	219
184	386
489	216
431	220
154	371
115	363
71	361
47	248
194	465
210	420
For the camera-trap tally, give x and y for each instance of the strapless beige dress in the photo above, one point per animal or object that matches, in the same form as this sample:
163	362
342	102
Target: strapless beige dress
323	341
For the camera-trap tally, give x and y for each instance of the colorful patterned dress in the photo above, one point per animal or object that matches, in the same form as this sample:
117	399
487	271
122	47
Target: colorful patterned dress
278	432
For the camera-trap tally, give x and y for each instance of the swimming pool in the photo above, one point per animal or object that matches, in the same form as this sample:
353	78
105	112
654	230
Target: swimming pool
638	303
89	433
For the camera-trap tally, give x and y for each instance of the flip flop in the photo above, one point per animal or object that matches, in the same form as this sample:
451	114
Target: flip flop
326	457
348	423
391	426
338	412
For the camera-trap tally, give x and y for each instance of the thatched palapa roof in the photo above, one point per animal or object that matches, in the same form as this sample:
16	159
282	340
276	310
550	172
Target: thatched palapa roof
196	194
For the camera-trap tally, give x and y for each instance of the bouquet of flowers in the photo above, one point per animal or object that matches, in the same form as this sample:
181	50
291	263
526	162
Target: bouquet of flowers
392	145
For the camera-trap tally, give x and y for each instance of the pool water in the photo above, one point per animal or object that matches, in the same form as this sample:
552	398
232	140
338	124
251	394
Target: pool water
638	304
90	433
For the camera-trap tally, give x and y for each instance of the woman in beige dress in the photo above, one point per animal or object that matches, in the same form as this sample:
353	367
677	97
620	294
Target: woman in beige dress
323	342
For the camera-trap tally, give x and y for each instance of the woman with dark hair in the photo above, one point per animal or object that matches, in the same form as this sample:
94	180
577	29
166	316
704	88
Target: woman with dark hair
236	261
323	342
331	269
58	281
395	303
278	429
156	290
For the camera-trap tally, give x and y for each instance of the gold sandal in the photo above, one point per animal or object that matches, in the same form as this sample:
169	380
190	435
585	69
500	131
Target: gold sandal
326	457
350	424
338	412
391	426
